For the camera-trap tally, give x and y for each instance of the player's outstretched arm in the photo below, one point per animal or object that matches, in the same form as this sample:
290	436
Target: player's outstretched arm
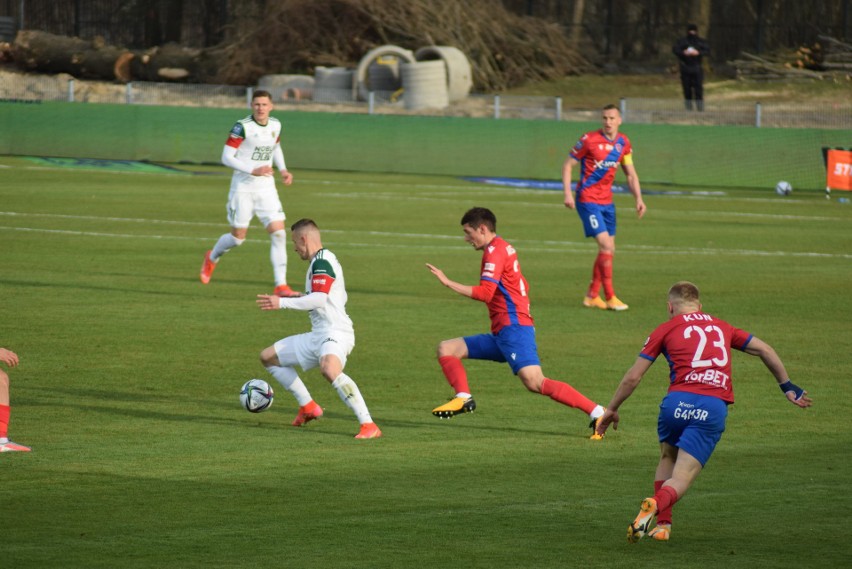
307	302
8	357
268	302
464	290
628	384
609	417
795	394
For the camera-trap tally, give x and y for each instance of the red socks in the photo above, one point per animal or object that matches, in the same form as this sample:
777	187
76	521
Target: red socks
595	285
664	516
455	373
666	496
557	390
604	261
602	275
563	393
4	420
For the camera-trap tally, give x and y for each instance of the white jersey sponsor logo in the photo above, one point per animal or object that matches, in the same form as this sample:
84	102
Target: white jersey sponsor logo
256	149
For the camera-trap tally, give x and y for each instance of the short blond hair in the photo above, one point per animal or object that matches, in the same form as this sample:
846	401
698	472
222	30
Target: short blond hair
684	293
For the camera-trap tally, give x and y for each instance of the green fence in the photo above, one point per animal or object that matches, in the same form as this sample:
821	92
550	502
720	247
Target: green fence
707	156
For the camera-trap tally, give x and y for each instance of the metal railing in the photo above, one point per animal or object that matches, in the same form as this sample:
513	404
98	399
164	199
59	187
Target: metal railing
20	87
772	115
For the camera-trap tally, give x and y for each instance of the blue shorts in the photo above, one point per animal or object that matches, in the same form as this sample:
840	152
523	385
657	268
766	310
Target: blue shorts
692	422
512	344
597	218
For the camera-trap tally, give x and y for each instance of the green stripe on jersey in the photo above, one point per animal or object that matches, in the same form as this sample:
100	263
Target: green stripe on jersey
322	266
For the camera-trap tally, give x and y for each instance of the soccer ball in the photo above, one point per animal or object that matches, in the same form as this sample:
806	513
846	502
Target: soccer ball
783	188
256	396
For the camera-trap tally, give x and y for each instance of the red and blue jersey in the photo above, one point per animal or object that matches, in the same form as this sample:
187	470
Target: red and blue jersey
502	286
599	158
697	347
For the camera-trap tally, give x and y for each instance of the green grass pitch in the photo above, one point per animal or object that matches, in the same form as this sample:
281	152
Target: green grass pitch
128	385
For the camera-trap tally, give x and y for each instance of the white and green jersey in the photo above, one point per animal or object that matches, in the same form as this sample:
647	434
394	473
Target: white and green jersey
325	275
251	145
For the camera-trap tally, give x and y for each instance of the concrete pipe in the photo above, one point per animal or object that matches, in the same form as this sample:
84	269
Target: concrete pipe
378	70
459	74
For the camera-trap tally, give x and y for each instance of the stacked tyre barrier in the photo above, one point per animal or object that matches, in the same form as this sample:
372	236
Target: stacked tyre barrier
333	84
459	76
433	77
425	85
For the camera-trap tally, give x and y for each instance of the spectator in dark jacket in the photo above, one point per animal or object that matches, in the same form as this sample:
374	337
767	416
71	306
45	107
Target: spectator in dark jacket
690	50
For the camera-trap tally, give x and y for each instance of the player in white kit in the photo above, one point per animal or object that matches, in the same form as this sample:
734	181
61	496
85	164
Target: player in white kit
253	147
330	340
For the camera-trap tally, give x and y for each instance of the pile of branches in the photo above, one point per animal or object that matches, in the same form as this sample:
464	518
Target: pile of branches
827	54
296	36
505	50
827	58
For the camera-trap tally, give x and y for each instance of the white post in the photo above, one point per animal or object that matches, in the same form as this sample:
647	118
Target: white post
128	93
758	110
496	106
371	101
622	103
249	95
559	108
71	90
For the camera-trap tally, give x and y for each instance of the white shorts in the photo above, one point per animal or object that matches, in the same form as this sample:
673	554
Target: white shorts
305	350
242	206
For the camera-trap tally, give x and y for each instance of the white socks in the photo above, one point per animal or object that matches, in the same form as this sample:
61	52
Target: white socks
596	412
346	389
291	381
278	256
225	243
351	395
277	252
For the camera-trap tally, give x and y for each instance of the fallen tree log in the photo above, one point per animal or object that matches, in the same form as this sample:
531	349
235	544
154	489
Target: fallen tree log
172	62
48	53
40	51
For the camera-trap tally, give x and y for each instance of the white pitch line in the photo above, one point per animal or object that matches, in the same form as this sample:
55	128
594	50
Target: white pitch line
119	219
720	215
490	189
660	212
204	224
449	197
534	246
91	171
471	188
453	198
101	234
185	238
